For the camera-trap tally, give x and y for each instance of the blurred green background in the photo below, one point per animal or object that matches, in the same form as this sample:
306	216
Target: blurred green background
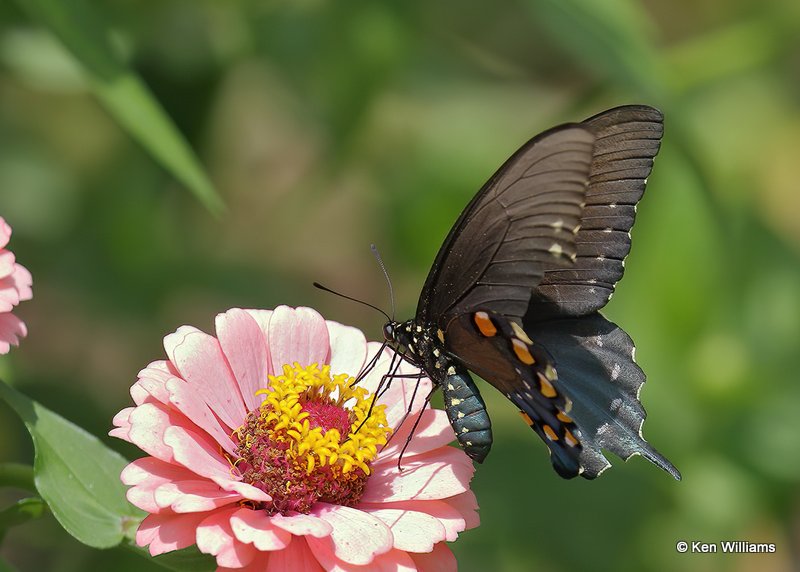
329	126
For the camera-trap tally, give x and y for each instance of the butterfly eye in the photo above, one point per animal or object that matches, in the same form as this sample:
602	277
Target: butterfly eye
388	331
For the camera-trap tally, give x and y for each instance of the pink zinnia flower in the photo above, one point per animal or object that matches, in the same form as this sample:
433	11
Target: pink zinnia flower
264	454
15	286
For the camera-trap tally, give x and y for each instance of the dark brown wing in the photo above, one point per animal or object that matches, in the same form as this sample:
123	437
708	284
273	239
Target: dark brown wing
520	222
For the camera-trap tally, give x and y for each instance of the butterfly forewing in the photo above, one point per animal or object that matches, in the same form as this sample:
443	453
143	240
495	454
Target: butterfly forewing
522	220
628	139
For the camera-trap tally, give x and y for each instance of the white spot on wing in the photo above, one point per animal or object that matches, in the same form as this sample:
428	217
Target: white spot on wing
615	371
599	341
556	249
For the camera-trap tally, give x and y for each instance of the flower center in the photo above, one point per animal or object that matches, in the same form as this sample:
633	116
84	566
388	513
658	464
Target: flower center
310	440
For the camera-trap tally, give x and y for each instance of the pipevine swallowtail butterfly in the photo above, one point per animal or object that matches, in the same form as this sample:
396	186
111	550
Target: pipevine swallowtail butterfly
515	291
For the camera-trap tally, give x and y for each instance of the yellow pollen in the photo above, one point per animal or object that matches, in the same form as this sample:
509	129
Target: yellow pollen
283	417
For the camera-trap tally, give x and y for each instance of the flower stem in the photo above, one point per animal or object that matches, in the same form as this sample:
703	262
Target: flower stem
17	475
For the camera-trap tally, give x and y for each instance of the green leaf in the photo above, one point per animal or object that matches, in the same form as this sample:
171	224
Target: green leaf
610	38
123	93
77	475
21	512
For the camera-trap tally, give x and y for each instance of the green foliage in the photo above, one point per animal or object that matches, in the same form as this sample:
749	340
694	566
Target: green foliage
121	90
76	475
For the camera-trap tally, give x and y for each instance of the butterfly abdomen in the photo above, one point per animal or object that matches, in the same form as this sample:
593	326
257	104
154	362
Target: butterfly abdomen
467	413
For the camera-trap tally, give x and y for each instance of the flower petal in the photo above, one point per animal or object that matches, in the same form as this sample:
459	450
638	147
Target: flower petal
188	402
433	431
413	531
193	496
297	335
11	330
245	346
195	453
5	232
357	537
435	475
441	559
23	280
391	561
467	506
215	536
448	516
145	476
148	422
254	527
303	525
168	532
348	348
296	557
200	361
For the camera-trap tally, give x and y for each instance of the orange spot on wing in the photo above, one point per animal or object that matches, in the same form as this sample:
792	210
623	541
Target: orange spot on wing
546	388
550	433
563	417
526	418
570	438
485	324
522	351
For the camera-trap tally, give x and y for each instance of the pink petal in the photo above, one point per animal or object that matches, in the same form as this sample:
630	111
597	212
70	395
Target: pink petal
435	475
196	454
449	517
434	431
193	496
11	330
297	335
357	537
6	263
467	506
441	559
245	346
146	475
148	422
9	294
258	564
296	557
167	532
122	423
5	232
23	280
413	531
200	361
262	318
348	348
188	402
254	527
303	525
215	536
153	382
391	561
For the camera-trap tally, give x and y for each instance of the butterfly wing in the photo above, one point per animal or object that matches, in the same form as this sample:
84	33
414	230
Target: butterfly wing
597	371
520	221
627	140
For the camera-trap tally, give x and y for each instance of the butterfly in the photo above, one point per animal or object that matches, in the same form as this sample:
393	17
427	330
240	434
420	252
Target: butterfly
515	291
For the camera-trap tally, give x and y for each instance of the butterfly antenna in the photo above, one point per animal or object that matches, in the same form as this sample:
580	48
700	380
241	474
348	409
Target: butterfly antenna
377	256
346	297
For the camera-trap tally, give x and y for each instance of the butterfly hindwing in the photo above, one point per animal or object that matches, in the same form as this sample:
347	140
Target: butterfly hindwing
597	371
523	371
